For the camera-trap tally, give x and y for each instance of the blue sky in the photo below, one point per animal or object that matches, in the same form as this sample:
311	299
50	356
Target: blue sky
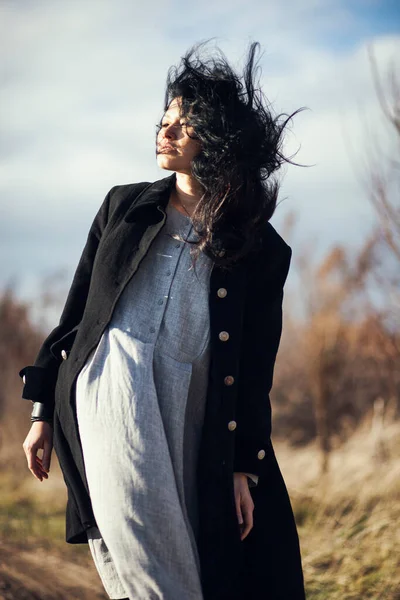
83	85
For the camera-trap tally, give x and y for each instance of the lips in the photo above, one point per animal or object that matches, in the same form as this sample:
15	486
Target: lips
165	148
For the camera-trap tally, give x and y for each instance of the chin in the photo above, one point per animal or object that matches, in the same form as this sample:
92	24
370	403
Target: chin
168	163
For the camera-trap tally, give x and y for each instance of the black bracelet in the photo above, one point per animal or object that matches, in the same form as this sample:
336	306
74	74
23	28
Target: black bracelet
41	412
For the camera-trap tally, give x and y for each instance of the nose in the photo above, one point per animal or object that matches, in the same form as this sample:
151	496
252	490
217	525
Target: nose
168	132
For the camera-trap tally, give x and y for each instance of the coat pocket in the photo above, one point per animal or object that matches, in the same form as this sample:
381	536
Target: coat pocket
62	347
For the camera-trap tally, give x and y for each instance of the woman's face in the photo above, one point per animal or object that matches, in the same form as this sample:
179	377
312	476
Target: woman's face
175	149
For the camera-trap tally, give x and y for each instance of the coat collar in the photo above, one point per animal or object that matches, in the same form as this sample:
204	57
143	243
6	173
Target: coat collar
149	206
155	195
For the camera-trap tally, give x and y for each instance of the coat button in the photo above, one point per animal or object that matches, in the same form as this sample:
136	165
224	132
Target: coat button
64	355
261	454
24	379
224	336
232	425
229	380
222	293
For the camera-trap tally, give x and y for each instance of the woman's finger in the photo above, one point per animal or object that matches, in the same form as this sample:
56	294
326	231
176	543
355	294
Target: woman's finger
33	464
41	469
238	508
38	471
34	467
247	510
47	448
244	504
39	438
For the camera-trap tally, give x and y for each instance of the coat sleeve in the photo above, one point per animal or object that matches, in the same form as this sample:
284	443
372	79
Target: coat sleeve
40	379
262	328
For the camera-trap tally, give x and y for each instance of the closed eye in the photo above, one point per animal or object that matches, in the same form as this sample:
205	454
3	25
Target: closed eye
178	124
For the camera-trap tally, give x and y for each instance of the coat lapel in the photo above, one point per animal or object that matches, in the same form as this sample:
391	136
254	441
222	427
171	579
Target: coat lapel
153	196
119	255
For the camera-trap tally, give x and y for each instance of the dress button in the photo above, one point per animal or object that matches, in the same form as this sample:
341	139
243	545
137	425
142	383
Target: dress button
222	293
261	454
224	336
229	380
232	425
64	355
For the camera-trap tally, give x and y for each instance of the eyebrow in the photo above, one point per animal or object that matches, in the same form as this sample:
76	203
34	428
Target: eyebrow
168	116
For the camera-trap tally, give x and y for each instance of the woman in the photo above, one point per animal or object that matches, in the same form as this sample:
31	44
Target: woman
155	385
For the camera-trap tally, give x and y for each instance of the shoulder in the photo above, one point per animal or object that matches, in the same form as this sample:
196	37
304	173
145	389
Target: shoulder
122	196
273	249
269	266
128	188
272	241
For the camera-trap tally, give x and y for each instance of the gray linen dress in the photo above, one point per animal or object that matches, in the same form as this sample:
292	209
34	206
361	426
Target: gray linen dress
140	401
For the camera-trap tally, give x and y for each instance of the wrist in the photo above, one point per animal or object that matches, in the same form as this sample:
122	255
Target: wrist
42	424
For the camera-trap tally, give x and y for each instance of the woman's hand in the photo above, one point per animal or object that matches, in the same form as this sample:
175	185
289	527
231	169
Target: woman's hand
244	504
40	436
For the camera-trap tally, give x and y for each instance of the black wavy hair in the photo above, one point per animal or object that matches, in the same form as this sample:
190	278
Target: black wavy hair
240	150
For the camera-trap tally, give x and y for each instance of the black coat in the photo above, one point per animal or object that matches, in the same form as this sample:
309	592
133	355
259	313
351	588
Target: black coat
247	303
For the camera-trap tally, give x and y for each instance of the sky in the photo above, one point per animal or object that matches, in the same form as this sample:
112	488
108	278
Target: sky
82	87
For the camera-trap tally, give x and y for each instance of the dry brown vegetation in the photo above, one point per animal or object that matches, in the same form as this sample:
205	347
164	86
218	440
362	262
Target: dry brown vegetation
348	518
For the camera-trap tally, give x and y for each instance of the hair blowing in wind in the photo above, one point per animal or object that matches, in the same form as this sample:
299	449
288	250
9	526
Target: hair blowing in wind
241	149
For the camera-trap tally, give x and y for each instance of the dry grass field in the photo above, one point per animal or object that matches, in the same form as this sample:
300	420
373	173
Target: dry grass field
348	523
349	520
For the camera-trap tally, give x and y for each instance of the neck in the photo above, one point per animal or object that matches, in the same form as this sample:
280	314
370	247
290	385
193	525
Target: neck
186	194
